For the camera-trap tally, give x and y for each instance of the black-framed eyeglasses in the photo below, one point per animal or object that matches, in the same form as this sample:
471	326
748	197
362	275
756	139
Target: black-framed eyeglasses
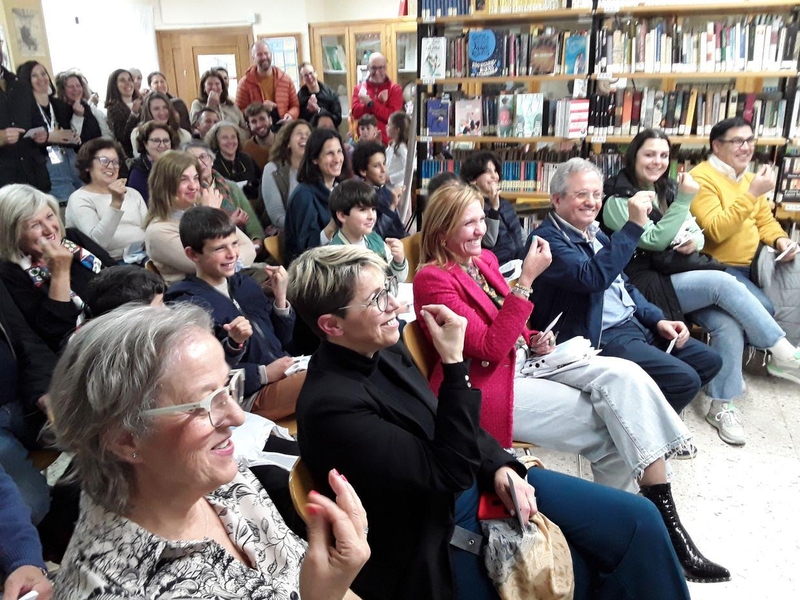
381	299
738	142
160	141
107	162
377	68
215	404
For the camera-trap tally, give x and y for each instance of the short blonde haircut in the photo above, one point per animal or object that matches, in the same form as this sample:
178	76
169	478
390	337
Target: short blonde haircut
441	219
165	177
18	203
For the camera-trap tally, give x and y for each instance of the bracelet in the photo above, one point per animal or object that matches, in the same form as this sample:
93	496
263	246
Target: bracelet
523	291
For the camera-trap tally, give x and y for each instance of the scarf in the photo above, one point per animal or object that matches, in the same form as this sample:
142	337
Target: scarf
40	274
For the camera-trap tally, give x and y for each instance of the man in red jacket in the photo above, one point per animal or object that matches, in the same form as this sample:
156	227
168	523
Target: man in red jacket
377	95
268	84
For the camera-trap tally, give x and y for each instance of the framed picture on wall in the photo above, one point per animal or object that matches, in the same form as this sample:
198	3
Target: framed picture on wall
285	53
28	26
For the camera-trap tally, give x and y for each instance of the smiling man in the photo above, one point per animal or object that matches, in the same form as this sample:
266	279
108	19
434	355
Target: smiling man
266	83
259	122
244	318
378	95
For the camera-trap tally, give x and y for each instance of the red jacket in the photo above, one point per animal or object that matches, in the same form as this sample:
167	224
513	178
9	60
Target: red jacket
381	110
285	95
490	338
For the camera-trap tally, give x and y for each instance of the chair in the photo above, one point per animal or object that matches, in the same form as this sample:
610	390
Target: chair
412	248
151	266
422	351
300	484
274	246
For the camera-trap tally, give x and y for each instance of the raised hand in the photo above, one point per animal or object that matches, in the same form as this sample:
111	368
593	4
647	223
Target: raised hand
118	190
536	261
239	330
639	206
447	331
763	182
687	184
396	250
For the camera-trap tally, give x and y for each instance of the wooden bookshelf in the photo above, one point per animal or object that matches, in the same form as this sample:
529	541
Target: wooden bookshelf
486	18
501	79
678	139
485	139
695	75
723	8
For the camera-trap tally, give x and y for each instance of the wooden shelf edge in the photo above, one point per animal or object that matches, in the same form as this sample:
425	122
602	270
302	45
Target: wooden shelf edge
700	75
591	139
486	17
701	8
483	139
501	79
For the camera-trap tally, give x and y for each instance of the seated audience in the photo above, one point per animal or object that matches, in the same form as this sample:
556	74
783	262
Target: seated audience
368	129
280	175
503	231
214	95
315	97
234	201
152	141
353	205
157	107
22	569
105	209
123	104
226	140
203	122
586	282
45	269
308	220
174	188
259	123
732	207
157	82
165	508
210	242
421	463
127	283
26	365
598	397
671	273
263	82
322	120
369	163
87	120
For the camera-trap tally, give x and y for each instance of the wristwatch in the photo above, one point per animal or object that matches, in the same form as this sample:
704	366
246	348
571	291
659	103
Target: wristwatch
370	104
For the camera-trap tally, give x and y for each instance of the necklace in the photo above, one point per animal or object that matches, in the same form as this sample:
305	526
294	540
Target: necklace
236	168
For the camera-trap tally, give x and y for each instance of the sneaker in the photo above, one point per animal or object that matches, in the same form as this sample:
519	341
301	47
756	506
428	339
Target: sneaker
785	369
686	451
725	419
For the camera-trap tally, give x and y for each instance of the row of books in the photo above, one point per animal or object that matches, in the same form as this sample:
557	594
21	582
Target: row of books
789	182
794	117
689	110
454	8
496	53
522	115
676	45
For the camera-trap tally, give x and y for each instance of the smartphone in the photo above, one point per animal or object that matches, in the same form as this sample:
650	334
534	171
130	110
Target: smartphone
491	507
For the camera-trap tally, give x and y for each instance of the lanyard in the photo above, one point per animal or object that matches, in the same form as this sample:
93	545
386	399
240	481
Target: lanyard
49	120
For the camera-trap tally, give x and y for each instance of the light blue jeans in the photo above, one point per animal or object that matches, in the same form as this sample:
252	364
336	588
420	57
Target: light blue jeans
14	457
609	411
64	176
723	305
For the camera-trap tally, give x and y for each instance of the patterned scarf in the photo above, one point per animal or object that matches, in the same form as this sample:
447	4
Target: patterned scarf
39	272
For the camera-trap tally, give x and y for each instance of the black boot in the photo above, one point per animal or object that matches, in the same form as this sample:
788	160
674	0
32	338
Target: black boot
696	567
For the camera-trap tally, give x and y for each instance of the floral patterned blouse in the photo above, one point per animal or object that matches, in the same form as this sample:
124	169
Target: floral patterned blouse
112	557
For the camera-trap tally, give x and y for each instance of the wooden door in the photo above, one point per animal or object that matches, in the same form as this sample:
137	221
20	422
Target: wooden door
364	40
183	54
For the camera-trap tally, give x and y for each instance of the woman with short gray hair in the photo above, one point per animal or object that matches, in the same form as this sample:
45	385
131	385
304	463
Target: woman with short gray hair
144	399
45	268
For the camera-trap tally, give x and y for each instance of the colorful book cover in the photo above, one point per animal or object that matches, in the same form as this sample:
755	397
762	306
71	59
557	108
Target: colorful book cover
485	53
578	118
434	57
505	116
438	116
576	54
528	115
469	117
544	49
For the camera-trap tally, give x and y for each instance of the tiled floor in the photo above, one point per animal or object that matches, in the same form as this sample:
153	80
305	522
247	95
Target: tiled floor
741	504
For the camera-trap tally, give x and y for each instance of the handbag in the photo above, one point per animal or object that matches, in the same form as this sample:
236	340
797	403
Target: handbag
670	262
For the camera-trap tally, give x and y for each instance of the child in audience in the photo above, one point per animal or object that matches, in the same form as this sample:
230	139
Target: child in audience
368	129
369	163
127	283
397	151
353	205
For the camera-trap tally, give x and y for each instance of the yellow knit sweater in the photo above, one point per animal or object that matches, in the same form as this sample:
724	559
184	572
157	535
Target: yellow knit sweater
734	220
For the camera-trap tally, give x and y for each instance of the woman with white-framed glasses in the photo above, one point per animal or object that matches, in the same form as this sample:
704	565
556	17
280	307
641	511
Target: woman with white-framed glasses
105	209
166	508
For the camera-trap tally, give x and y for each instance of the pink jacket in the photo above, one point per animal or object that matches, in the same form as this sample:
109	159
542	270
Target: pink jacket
490	338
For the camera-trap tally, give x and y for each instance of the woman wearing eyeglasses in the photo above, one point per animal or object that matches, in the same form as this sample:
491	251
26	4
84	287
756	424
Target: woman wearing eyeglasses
315	97
166	509
105	209
153	140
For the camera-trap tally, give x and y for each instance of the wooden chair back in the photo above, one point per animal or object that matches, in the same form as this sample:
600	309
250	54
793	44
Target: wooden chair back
274	245
300	484
412	248
421	350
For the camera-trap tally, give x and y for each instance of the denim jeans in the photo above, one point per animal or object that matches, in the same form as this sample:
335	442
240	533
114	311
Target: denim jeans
723	305
620	548
609	411
743	275
64	176
14	430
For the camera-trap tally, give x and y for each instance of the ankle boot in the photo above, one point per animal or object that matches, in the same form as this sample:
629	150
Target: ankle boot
696	567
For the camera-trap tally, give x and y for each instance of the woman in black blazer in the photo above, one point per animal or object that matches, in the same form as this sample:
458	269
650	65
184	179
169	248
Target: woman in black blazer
419	463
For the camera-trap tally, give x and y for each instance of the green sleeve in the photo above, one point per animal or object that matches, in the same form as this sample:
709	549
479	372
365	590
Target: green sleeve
656	236
252	228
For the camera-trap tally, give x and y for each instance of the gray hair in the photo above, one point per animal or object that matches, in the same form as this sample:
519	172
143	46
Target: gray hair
324	279
18	203
211	136
560	181
201	144
110	372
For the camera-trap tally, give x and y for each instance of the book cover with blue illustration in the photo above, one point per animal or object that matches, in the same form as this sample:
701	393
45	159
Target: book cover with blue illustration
485	53
438	116
576	54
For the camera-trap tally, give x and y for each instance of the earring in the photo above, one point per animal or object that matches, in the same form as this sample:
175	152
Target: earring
135	455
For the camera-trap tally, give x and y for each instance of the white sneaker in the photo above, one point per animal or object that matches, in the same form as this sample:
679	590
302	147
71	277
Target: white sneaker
725	418
785	369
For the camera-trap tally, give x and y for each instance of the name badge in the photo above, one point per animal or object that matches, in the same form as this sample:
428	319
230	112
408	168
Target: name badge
55	155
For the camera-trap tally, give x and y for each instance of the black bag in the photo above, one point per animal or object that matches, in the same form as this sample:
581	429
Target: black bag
670	262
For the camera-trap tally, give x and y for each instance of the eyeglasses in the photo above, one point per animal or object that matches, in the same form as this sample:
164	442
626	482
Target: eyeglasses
309	74
584	195
107	162
381	299
160	141
377	68
215	404
738	142
204	158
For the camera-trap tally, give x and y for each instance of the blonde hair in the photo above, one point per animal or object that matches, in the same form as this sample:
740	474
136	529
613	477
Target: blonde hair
441	219
18	203
164	180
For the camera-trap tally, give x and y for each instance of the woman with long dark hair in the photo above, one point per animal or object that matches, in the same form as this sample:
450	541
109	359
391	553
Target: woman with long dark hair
213	94
123	104
280	175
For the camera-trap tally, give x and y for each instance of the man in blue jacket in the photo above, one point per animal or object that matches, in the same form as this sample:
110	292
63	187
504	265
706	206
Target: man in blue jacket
242	313
586	282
